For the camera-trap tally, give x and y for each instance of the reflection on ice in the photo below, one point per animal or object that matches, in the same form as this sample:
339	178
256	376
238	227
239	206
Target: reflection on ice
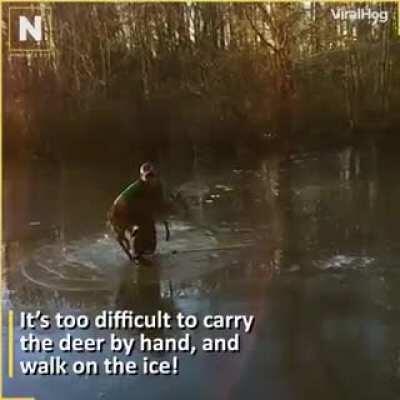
344	262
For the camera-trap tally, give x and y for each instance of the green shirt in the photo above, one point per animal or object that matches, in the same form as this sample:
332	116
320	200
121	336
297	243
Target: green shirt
142	197
134	191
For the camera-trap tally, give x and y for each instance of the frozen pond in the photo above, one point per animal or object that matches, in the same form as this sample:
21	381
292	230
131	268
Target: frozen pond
308	244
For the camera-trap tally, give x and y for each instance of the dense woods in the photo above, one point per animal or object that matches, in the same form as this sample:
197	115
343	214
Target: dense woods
199	78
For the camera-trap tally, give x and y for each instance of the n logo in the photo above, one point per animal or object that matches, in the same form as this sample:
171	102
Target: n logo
29	29
25	28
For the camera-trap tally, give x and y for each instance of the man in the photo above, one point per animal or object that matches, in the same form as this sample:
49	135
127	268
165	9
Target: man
134	212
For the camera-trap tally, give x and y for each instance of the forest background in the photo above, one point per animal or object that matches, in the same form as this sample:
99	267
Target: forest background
198	80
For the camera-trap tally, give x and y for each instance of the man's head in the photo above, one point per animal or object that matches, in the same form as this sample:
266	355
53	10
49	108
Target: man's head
147	172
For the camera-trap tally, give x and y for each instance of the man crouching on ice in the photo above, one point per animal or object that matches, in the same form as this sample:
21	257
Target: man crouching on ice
134	212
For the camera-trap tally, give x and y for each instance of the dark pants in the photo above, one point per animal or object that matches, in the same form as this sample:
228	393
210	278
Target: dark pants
145	241
123	220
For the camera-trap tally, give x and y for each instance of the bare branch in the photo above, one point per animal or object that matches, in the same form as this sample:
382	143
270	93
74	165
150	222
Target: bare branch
259	34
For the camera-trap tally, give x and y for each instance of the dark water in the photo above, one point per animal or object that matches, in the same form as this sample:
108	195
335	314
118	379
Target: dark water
307	243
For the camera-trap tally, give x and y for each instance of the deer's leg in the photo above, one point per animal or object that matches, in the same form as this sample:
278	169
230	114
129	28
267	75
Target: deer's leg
117	218
124	242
